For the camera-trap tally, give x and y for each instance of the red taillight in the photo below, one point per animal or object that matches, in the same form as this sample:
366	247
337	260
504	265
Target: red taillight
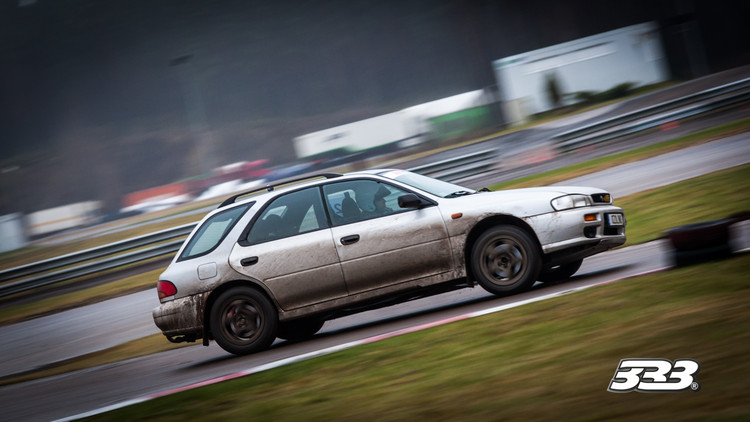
165	289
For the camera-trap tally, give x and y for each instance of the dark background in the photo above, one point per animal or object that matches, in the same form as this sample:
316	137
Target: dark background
97	98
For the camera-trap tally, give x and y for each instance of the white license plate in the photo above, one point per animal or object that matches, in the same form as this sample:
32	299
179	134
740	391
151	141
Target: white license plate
615	220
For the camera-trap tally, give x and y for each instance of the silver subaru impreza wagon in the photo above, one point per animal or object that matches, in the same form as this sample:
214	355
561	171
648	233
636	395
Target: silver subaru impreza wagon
280	261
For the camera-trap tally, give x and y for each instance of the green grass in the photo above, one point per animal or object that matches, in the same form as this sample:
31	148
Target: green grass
550	360
710	197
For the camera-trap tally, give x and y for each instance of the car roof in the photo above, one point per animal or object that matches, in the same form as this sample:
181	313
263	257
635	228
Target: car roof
283	185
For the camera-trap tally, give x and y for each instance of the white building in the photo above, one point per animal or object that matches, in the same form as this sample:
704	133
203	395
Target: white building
404	128
63	217
596	63
354	137
12	235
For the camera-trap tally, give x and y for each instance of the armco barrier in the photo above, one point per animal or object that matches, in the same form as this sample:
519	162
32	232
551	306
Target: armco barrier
459	167
113	251
652	116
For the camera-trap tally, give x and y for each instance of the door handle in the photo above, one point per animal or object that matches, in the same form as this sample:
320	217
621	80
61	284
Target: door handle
348	240
246	262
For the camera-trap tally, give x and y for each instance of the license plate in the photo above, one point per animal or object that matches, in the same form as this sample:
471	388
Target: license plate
615	220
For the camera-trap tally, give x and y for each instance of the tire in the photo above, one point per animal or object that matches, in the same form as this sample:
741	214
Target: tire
505	260
300	329
243	321
561	272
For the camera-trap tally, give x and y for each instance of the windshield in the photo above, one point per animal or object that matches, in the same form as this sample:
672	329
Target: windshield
428	184
213	231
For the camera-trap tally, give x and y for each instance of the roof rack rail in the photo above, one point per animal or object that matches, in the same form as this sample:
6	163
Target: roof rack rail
232	199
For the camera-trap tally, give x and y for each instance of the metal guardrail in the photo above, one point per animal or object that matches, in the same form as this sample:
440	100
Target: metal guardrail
653	116
653	122
450	169
459	167
113	251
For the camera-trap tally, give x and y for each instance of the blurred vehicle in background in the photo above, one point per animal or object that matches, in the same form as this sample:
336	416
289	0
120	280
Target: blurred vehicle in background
220	182
58	219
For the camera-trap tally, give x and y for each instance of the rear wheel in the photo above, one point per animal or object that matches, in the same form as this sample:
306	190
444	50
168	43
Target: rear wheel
243	321
505	260
300	329
561	272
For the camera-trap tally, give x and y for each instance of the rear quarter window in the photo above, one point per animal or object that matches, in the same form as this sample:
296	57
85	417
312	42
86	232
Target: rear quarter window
212	232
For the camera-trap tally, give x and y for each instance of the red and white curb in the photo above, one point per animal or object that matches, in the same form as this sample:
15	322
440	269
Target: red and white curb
334	349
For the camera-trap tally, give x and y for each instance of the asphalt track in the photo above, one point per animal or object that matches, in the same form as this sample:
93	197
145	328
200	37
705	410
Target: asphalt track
35	343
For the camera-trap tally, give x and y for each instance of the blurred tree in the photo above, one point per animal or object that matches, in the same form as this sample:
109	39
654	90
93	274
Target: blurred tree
552	86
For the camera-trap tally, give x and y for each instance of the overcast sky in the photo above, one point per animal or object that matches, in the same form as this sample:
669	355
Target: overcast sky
92	77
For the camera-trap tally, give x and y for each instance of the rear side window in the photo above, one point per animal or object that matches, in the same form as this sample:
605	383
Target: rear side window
212	232
288	215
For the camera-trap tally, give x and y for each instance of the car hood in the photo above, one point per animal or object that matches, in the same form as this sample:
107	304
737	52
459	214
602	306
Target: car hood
519	202
552	190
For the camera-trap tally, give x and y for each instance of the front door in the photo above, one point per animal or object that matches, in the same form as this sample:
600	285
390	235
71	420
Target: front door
380	244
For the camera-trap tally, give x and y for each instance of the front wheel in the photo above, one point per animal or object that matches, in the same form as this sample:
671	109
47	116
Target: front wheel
243	321
505	260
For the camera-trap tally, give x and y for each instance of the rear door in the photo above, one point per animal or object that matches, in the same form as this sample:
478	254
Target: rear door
290	248
379	243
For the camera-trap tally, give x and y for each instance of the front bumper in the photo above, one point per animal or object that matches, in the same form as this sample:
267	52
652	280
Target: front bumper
181	317
568	230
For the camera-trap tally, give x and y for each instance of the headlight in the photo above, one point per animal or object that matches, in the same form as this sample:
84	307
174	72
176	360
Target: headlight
570	201
602	198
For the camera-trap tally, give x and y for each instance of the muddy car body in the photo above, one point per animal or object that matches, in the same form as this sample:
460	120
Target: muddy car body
281	262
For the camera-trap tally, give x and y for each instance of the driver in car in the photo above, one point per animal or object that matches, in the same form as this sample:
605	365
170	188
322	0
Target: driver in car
379	202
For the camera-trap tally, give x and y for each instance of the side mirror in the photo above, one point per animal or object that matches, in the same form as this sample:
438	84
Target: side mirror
411	200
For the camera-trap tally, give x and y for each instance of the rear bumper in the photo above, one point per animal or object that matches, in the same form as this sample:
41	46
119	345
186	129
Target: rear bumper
182	316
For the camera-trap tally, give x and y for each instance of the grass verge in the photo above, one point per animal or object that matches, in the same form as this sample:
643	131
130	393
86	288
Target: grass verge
710	197
550	360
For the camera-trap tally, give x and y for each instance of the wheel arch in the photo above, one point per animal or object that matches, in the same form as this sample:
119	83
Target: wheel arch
493	221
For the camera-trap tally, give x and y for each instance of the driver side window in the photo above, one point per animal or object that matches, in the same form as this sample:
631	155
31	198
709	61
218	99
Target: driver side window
359	200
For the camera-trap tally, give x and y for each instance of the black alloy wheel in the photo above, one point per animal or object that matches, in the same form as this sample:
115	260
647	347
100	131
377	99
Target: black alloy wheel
505	260
243	321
